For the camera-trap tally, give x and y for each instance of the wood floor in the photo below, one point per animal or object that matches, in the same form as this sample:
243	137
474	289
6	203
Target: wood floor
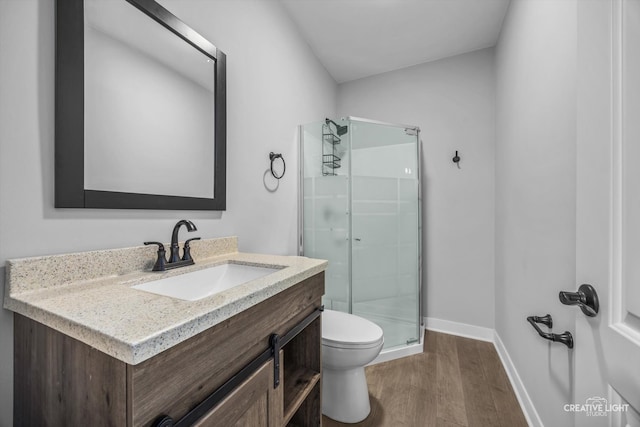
456	382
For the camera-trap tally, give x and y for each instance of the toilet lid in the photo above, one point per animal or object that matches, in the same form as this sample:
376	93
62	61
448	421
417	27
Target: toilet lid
346	330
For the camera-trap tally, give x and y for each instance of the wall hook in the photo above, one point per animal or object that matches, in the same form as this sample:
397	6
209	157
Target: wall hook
456	159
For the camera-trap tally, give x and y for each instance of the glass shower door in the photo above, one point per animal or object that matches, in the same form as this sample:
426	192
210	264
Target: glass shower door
385	229
325	207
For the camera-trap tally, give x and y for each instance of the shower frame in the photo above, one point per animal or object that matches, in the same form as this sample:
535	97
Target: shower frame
350	119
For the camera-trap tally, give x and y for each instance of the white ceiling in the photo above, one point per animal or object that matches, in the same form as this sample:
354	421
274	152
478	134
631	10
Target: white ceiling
359	38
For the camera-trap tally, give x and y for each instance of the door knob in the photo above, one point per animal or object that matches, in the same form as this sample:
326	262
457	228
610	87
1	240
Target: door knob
586	298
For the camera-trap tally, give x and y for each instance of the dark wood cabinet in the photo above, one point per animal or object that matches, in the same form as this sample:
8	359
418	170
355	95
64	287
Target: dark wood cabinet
301	378
60	380
254	403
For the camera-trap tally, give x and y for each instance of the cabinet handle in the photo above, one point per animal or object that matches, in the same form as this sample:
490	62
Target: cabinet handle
275	351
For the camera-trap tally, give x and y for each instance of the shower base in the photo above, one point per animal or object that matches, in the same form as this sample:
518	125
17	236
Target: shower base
400	351
398	326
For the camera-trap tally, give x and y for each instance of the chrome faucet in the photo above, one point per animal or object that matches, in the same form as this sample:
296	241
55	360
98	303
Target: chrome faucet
175	261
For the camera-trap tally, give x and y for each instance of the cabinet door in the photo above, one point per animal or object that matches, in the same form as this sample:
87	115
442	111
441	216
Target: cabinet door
254	403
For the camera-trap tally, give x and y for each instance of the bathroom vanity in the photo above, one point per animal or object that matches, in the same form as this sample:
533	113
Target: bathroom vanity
96	351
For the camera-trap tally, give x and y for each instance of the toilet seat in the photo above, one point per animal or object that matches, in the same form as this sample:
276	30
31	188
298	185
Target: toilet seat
347	331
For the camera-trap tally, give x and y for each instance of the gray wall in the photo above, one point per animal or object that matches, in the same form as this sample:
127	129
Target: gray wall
274	83
452	100
536	193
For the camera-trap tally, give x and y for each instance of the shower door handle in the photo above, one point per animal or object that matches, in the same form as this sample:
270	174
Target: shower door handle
357	239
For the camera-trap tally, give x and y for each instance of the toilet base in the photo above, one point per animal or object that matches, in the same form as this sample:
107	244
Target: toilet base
345	396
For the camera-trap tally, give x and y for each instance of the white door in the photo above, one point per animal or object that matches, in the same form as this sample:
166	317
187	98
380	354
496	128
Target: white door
607	347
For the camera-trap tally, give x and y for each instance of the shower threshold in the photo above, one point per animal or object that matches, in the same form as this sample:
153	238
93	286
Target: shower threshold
400	351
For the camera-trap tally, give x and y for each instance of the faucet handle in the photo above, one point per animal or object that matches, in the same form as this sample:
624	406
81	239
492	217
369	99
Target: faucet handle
186	252
160	245
161	261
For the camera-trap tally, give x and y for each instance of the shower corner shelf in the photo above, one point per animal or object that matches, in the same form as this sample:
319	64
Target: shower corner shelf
331	138
330	161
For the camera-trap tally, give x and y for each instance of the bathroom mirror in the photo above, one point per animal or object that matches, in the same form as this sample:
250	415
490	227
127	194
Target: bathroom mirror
140	109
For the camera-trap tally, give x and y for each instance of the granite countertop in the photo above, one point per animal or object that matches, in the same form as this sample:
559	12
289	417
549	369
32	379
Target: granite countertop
89	295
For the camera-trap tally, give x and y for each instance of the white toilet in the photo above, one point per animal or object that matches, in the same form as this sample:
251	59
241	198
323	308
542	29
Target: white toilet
349	342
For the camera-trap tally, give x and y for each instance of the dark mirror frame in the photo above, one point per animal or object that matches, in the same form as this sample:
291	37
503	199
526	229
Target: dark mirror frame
69	117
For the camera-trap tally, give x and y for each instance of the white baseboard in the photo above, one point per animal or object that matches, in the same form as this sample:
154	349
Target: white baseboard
490	335
459	329
530	413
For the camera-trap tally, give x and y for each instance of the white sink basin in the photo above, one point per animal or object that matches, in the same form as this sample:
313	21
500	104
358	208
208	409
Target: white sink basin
206	282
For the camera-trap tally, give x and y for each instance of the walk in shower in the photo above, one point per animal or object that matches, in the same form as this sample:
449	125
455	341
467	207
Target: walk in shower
360	210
